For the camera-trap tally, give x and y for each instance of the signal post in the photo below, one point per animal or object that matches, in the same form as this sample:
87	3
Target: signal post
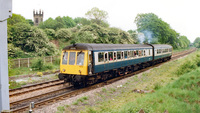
5	13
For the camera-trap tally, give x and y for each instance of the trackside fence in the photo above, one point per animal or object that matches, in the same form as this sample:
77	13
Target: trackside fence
26	62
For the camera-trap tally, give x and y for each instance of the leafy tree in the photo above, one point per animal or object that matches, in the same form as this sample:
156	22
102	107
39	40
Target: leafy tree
196	42
184	42
97	15
31	40
49	23
155	28
50	33
68	22
59	23
30	22
82	21
16	18
134	36
63	33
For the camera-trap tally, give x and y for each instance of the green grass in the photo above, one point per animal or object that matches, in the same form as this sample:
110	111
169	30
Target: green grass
181	96
176	87
179	50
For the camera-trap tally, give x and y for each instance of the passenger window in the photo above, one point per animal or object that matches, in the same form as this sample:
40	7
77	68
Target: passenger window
131	54
122	55
125	54
140	53
144	53
118	55
115	56
100	57
106	57
80	58
65	58
137	53
110	56
72	58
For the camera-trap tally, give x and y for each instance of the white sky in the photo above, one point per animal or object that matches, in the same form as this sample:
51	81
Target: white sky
182	15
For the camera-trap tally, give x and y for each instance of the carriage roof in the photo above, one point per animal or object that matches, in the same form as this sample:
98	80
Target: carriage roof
85	46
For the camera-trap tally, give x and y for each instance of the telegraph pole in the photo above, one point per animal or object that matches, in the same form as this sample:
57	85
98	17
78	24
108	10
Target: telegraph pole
5	13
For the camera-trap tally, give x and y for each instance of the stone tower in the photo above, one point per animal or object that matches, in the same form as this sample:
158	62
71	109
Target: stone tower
38	17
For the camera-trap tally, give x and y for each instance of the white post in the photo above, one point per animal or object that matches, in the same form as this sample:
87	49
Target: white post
5	13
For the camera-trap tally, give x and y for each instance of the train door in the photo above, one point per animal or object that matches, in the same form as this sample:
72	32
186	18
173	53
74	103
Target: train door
106	61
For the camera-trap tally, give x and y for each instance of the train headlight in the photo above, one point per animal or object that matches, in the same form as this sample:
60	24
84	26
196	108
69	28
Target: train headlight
63	70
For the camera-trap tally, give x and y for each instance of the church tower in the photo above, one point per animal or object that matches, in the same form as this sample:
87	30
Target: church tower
38	17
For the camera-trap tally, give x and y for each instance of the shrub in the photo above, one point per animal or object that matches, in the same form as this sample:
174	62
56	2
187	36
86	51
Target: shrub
37	64
186	67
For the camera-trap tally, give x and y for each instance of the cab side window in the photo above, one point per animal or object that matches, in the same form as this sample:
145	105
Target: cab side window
65	58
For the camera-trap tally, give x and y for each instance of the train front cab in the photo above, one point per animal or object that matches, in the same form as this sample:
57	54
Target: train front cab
74	63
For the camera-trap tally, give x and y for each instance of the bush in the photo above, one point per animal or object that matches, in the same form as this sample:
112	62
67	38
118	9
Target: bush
37	64
186	67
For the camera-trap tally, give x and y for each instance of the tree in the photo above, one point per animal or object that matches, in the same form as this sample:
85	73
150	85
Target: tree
69	22
50	33
97	15
155	28
184	42
196	42
30	22
63	33
16	18
49	23
82	21
31	40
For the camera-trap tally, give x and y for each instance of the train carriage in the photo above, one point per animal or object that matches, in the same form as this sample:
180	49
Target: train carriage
88	63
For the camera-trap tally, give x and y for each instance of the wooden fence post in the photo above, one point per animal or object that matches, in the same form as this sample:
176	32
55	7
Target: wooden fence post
28	62
19	62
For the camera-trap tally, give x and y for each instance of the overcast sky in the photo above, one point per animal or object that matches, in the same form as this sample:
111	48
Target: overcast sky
182	15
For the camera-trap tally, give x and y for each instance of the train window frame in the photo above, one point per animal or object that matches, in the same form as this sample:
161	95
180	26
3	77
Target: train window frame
66	58
139	53
114	56
106	57
101	59
144	52
128	54
131	54
122	55
80	59
72	59
125	54
118	55
110	56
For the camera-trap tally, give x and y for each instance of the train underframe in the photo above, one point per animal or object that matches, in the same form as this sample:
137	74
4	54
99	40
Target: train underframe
85	80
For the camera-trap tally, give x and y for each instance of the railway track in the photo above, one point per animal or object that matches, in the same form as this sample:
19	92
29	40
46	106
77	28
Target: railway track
31	88
65	93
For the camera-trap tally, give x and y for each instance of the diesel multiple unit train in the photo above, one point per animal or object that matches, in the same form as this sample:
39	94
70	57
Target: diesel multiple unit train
83	64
